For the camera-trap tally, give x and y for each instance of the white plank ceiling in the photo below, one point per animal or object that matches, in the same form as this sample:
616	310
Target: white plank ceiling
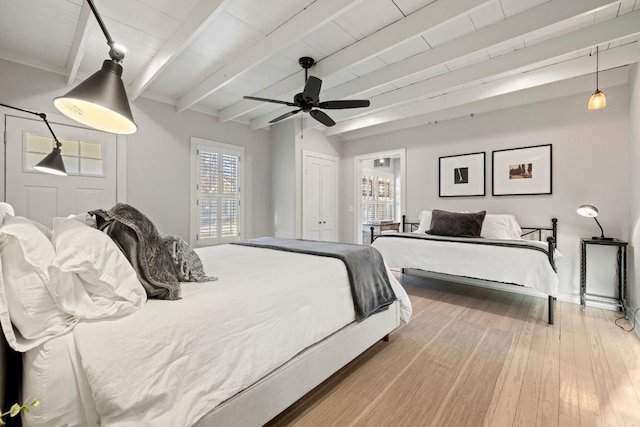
409	57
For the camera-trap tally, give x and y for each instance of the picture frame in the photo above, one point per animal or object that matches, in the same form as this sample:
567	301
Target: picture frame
462	175
522	171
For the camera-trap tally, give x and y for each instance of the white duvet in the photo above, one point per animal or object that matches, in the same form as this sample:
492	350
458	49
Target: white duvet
173	361
525	267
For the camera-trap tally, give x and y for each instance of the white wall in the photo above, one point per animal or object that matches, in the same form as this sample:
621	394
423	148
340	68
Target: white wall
590	150
158	154
283	193
634	160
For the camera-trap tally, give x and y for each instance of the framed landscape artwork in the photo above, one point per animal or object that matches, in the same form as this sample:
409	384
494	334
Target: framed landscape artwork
462	175
522	171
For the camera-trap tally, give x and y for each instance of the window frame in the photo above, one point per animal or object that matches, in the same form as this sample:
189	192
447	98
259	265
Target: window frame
221	148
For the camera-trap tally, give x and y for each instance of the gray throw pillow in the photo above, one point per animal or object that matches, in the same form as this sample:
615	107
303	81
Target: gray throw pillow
456	224
185	260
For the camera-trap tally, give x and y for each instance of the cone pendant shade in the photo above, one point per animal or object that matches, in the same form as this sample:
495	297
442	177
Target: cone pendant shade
100	101
52	164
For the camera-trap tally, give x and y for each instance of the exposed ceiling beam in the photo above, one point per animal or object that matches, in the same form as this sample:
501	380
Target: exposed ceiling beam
607	31
611	58
76	53
314	16
516	26
200	17
576	86
431	16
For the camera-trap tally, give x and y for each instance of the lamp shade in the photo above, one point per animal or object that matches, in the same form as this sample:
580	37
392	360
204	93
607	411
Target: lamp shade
52	163
597	101
100	101
588	211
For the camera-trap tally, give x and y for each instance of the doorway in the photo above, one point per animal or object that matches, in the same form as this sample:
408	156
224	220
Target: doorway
90	157
380	191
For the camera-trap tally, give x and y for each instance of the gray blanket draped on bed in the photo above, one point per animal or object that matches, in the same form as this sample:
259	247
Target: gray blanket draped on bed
370	286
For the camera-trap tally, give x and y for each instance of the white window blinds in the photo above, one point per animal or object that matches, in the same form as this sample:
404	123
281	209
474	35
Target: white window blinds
377	198
218	194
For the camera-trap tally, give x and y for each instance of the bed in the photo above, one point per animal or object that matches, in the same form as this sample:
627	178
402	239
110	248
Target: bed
274	325
504	253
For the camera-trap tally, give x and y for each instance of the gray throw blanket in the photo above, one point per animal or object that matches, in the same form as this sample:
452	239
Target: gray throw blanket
186	261
370	286
141	243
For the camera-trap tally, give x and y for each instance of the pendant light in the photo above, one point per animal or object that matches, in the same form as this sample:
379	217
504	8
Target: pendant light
52	163
100	101
597	100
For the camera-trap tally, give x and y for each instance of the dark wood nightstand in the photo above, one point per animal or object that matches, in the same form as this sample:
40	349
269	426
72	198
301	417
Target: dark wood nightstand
621	272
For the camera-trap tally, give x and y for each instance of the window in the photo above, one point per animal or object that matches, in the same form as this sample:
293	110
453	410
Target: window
82	158
218	192
378	199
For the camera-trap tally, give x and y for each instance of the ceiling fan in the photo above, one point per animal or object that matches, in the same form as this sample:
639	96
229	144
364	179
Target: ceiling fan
308	100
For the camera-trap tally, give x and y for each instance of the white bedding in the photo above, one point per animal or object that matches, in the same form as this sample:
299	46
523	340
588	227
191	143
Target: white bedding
180	359
525	267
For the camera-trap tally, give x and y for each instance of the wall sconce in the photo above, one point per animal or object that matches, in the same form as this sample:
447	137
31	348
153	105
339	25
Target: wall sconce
52	163
101	101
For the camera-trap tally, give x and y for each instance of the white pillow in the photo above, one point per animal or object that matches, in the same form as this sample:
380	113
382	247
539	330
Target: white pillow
502	227
85	218
425	222
5	208
90	277
28	313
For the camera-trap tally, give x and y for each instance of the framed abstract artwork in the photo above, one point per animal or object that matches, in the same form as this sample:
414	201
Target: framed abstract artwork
522	171
462	175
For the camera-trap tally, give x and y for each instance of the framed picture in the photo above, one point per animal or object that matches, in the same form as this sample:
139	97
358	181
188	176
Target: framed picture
462	175
522	171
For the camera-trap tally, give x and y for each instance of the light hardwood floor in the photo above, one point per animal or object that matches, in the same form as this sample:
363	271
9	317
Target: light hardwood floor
473	356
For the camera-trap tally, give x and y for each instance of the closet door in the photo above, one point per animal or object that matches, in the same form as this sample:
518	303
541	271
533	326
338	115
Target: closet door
329	196
312	197
320	197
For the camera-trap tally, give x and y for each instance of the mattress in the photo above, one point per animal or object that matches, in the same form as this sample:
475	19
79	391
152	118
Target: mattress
512	265
180	359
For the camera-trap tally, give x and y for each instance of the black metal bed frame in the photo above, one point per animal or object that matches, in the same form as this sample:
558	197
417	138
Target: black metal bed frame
552	242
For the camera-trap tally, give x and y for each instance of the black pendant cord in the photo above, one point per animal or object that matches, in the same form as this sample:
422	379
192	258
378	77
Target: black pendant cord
43	116
115	54
597	85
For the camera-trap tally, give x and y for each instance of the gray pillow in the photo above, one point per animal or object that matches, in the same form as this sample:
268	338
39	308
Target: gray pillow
456	224
185	260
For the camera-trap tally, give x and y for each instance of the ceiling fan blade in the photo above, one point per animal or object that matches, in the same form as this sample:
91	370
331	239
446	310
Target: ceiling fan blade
275	101
285	115
311	92
322	117
347	103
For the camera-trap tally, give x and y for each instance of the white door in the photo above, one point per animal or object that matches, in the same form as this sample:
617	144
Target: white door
320	197
89	157
329	200
313	198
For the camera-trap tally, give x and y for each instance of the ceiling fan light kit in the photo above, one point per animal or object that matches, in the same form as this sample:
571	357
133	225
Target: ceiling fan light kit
308	100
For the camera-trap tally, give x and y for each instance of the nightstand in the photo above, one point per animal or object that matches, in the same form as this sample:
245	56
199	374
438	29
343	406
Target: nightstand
621	273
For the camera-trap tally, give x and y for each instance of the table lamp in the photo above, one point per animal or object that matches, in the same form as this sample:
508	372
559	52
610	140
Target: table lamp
590	211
